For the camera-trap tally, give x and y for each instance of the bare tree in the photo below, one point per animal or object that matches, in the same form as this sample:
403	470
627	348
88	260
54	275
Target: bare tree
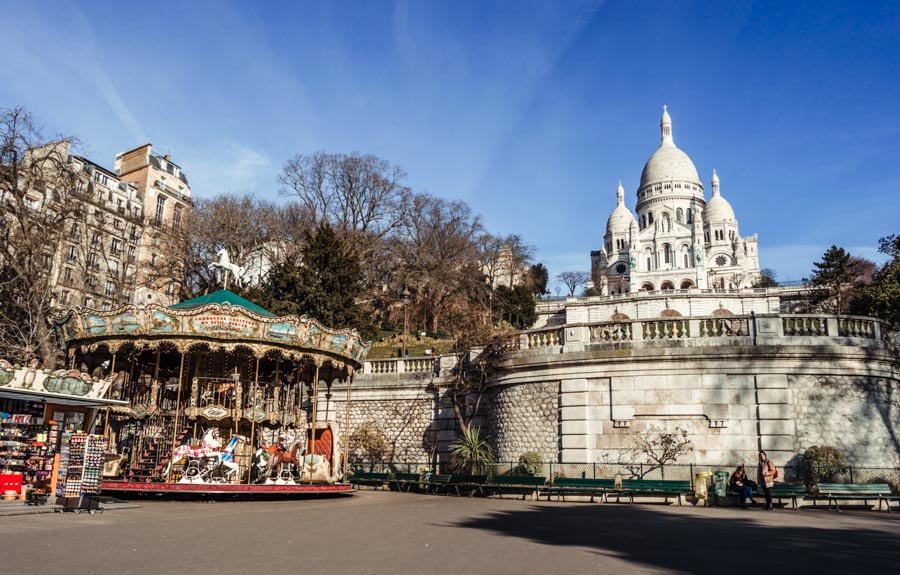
39	193
573	279
360	195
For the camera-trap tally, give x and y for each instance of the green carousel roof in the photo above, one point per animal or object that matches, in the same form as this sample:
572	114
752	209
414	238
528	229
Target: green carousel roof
222	297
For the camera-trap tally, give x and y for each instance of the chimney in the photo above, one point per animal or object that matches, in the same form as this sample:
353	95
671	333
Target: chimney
167	157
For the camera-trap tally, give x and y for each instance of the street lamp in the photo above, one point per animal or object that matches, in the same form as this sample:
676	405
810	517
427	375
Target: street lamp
405	299
806	294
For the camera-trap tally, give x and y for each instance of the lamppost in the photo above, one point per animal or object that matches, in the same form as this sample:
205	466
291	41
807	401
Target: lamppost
405	299
806	295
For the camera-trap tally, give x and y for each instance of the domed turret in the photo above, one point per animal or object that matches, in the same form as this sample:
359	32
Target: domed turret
717	208
621	218
668	162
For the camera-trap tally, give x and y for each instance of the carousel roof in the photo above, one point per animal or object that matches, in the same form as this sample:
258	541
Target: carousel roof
222	297
220	320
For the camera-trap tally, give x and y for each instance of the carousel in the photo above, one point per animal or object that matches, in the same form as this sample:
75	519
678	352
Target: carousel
217	395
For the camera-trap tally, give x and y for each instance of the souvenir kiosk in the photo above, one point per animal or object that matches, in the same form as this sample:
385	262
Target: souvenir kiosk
217	395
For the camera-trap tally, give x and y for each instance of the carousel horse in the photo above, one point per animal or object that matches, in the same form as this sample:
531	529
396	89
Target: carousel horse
281	457
210	446
221	467
224	265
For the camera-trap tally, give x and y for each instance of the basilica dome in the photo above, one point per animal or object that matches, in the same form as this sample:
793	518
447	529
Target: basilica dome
668	162
621	218
717	208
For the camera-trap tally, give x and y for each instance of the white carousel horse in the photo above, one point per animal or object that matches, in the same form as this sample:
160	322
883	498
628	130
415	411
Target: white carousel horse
210	446
207	470
226	266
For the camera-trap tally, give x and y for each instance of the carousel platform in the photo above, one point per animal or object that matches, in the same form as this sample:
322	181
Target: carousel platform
136	490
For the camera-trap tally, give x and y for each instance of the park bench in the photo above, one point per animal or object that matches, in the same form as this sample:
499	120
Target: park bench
471	483
376	480
437	482
787	491
652	487
524	484
406	481
563	486
855	491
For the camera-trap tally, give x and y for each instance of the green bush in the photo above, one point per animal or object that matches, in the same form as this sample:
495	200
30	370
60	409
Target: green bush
530	463
822	464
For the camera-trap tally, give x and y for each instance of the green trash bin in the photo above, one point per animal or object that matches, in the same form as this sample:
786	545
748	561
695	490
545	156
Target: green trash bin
720	485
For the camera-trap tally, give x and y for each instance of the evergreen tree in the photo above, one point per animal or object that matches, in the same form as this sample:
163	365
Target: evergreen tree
536	279
882	298
835	277
324	282
515	306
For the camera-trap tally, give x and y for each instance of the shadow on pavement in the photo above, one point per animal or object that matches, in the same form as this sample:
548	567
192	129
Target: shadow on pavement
703	544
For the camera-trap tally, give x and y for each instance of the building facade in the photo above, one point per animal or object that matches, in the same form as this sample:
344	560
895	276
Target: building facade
164	189
678	239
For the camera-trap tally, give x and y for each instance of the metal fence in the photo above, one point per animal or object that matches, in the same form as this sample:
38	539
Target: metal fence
676	472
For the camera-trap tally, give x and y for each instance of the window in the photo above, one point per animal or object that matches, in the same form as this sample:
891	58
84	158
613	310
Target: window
73	254
92	260
117	224
643	222
648	264
67	275
110	289
105	306
686	263
95	239
153	260
650	218
113	266
130	252
721	261
176	218
64	297
690	216
679	215
160	210
621	268
667	253
170	288
115	247
74	229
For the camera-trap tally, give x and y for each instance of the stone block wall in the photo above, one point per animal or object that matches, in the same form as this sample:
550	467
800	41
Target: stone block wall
524	418
859	415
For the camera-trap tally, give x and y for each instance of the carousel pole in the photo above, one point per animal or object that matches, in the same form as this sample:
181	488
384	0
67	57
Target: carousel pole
311	449
112	371
253	418
177	409
347	430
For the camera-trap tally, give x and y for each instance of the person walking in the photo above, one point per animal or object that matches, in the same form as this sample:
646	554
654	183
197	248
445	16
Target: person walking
742	486
767	474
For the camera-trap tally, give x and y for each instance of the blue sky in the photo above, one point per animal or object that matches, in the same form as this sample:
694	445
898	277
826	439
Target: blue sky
530	112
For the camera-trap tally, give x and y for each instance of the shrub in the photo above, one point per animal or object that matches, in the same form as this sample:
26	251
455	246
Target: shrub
821	464
471	454
367	441
893	483
530	463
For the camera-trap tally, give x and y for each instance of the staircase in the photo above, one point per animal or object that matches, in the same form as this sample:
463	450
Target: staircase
153	452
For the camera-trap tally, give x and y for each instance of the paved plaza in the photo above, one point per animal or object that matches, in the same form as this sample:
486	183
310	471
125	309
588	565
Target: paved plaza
381	532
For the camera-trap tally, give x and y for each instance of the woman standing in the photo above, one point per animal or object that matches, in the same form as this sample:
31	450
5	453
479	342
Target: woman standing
742	486
767	475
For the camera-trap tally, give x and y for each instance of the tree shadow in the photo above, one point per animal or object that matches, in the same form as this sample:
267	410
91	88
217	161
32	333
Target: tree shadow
688	543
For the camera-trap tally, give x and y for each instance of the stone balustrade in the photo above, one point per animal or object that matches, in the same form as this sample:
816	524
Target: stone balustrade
786	328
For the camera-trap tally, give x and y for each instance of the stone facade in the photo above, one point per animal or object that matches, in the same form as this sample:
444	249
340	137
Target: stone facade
525	418
581	393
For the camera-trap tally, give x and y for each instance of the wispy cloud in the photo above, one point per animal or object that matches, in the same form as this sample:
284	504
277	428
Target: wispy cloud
233	168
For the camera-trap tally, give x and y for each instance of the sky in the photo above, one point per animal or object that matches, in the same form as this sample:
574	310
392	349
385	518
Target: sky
531	112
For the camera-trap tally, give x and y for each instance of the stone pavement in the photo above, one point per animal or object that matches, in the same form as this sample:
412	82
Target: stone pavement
383	532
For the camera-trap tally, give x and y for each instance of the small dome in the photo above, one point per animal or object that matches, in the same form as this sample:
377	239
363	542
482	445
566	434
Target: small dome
668	162
717	208
621	218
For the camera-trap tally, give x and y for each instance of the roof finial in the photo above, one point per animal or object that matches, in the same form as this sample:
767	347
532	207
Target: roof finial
665	125
715	183
620	194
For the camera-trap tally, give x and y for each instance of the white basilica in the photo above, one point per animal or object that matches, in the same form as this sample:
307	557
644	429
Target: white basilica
679	240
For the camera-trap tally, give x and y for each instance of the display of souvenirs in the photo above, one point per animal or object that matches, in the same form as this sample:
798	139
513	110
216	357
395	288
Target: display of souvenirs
26	444
81	461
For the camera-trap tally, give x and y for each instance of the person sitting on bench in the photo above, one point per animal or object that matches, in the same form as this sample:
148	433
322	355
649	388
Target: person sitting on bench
742	486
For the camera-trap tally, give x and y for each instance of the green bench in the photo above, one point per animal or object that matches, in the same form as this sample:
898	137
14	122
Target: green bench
524	484
471	483
786	491
406	481
437	482
651	487
562	486
376	480
880	492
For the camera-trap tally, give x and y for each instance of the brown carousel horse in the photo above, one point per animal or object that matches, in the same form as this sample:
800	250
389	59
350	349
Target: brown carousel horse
279	455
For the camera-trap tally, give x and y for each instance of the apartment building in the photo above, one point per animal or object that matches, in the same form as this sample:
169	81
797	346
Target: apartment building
166	194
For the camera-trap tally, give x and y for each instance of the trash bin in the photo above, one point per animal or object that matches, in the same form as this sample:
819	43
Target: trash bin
720	483
702	483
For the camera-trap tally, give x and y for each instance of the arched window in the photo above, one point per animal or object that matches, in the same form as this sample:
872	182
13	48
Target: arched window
687	263
679	215
667	285
690	216
687	284
647	287
650	218
643	222
667	253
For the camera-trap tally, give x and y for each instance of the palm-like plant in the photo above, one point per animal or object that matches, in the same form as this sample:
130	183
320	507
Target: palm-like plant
471	453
